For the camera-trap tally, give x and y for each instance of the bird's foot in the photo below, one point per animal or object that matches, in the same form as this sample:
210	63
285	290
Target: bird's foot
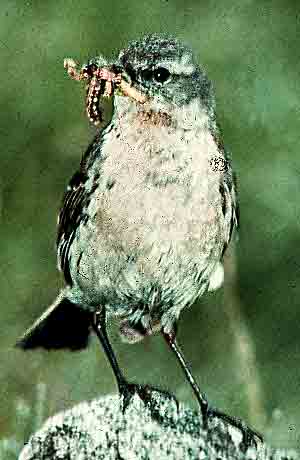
250	436
127	390
146	393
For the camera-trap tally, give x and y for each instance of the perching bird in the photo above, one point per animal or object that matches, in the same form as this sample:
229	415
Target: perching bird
147	218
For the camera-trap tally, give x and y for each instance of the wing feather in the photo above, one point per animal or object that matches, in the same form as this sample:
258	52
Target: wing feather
74	207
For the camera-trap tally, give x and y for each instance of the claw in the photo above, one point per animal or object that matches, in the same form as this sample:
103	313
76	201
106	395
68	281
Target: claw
127	391
145	392
250	436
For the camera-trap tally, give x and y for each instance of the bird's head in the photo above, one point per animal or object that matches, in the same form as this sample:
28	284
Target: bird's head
164	71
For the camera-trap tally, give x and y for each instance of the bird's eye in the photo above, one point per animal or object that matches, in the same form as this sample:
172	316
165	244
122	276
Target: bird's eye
161	74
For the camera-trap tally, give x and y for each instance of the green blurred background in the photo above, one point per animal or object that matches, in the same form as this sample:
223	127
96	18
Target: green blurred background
251	52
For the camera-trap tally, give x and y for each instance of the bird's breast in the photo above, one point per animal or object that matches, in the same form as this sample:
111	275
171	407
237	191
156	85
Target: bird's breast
155	216
161	185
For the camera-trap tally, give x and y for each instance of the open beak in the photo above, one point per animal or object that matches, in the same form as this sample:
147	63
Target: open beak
129	90
125	86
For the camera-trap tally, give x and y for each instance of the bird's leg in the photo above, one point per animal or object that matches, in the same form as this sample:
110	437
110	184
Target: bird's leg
126	389
249	436
201	398
99	326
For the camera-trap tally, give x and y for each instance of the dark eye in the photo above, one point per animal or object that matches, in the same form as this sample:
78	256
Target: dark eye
161	74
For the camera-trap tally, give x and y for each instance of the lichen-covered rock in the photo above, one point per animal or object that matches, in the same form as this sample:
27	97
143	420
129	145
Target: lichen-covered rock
156	430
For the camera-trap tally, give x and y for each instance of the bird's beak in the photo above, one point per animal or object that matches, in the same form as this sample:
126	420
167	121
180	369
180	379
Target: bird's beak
130	91
126	88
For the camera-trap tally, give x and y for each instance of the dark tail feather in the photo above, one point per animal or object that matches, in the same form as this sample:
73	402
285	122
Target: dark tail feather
62	325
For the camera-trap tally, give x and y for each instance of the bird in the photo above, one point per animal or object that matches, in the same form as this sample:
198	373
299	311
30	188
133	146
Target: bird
148	216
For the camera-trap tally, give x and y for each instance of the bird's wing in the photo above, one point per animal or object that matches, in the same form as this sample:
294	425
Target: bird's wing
228	190
234	210
74	208
230	205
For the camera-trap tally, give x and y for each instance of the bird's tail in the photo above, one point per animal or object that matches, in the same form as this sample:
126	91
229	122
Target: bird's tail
62	325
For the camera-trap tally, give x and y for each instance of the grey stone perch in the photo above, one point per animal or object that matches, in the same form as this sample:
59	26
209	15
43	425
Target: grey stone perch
156	430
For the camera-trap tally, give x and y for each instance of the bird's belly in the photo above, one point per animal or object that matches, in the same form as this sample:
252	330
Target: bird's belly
148	245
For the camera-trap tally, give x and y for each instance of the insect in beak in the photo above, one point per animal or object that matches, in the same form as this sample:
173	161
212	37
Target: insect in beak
101	82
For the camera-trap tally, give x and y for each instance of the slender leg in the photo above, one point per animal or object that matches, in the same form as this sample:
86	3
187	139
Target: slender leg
99	326
249	435
201	398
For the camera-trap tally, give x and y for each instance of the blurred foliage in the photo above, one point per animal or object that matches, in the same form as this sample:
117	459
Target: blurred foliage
251	51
